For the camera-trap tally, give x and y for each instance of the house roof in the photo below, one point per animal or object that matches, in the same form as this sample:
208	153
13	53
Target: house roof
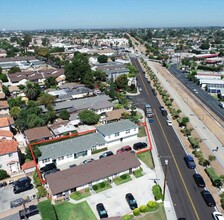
8	146
86	173
14	88
28	165
115	114
4	104
21	58
71	146
119	126
4	122
5	133
38	133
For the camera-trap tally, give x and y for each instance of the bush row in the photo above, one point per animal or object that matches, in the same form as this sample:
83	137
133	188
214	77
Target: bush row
150	207
99	150
216	181
157	192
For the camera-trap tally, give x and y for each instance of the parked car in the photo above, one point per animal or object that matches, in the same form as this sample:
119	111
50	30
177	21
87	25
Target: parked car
106	154
190	162
48	167
72	165
199	180
131	201
209	200
139	145
124	149
217	215
169	122
22	180
28	212
49	172
101	210
3	184
139	89
163	111
88	160
16	203
22	187
154	92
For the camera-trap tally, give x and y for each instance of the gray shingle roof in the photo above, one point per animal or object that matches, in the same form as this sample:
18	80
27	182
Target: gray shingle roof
119	126
71	146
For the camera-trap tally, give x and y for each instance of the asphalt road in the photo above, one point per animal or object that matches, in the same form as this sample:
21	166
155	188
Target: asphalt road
185	194
207	99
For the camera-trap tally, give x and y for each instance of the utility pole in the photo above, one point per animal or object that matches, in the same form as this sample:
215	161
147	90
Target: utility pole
165	177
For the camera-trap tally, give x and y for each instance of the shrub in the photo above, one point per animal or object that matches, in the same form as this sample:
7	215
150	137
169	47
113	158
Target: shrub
95	187
216	181
102	184
127	217
151	204
123	176
99	150
3	174
42	192
194	142
136	212
36	179
143	208
157	192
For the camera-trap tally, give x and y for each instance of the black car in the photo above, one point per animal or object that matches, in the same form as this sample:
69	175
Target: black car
101	210
21	188
199	180
106	154
209	200
163	111
131	201
190	162
50	166
139	145
22	180
154	92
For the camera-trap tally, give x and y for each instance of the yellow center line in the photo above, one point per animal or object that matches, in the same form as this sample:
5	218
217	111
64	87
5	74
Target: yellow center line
181	177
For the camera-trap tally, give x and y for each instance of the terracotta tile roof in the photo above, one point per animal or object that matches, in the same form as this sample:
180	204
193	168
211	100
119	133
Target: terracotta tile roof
28	165
4	122
38	133
8	146
4	104
5	133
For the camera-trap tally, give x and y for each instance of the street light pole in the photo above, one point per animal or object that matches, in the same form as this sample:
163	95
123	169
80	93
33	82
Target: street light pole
165	176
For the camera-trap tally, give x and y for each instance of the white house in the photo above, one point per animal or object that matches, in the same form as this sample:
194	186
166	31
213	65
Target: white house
118	131
9	158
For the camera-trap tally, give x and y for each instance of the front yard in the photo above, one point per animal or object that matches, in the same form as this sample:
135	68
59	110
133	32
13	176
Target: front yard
101	186
122	179
80	194
146	158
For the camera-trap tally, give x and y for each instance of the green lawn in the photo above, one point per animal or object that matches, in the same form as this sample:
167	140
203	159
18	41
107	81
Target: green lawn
138	173
160	214
122	179
80	194
69	211
141	131
146	157
47	210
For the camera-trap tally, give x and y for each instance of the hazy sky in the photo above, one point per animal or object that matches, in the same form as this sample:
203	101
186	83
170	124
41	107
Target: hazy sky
50	14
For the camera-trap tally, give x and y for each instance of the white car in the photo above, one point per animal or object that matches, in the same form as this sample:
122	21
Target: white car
195	90
169	122
217	216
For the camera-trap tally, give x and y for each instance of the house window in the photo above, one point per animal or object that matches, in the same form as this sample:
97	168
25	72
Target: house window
128	131
69	156
117	134
61	158
46	160
10	154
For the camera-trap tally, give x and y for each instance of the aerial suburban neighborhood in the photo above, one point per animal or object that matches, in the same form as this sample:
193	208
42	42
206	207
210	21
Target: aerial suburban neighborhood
116	123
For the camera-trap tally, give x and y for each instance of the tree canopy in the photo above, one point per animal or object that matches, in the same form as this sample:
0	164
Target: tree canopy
102	59
14	69
32	91
50	82
89	117
121	81
64	114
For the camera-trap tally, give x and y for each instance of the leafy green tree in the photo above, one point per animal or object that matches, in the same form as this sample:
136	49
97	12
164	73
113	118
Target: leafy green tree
32	90
78	68
15	111
99	75
34	120
50	82
14	69
26	41
46	99
102	59
88	80
89	117
17	101
0	69
3	174
205	46
49	116
36	152
45	41
112	92
122	81
3	77
64	114
5	89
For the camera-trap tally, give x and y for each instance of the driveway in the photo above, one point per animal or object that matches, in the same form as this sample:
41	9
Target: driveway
114	198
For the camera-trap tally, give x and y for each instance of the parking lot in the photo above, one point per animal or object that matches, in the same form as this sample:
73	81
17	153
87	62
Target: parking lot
114	198
7	195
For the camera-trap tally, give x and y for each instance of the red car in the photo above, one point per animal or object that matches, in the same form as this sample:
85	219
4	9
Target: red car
123	149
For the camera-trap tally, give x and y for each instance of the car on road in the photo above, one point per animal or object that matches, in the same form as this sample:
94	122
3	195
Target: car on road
196	91
3	184
154	92
101	210
209	200
106	154
199	180
190	162
131	201
139	145
139	89
217	215
88	160
124	149
169	122
163	111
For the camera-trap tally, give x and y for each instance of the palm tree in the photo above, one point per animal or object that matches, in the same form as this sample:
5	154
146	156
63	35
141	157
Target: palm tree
32	90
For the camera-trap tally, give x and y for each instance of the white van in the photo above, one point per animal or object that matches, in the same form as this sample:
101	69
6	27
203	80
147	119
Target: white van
221	104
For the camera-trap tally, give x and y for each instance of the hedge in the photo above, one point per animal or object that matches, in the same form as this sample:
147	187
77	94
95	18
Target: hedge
136	212
194	142
216	181
99	150
157	192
